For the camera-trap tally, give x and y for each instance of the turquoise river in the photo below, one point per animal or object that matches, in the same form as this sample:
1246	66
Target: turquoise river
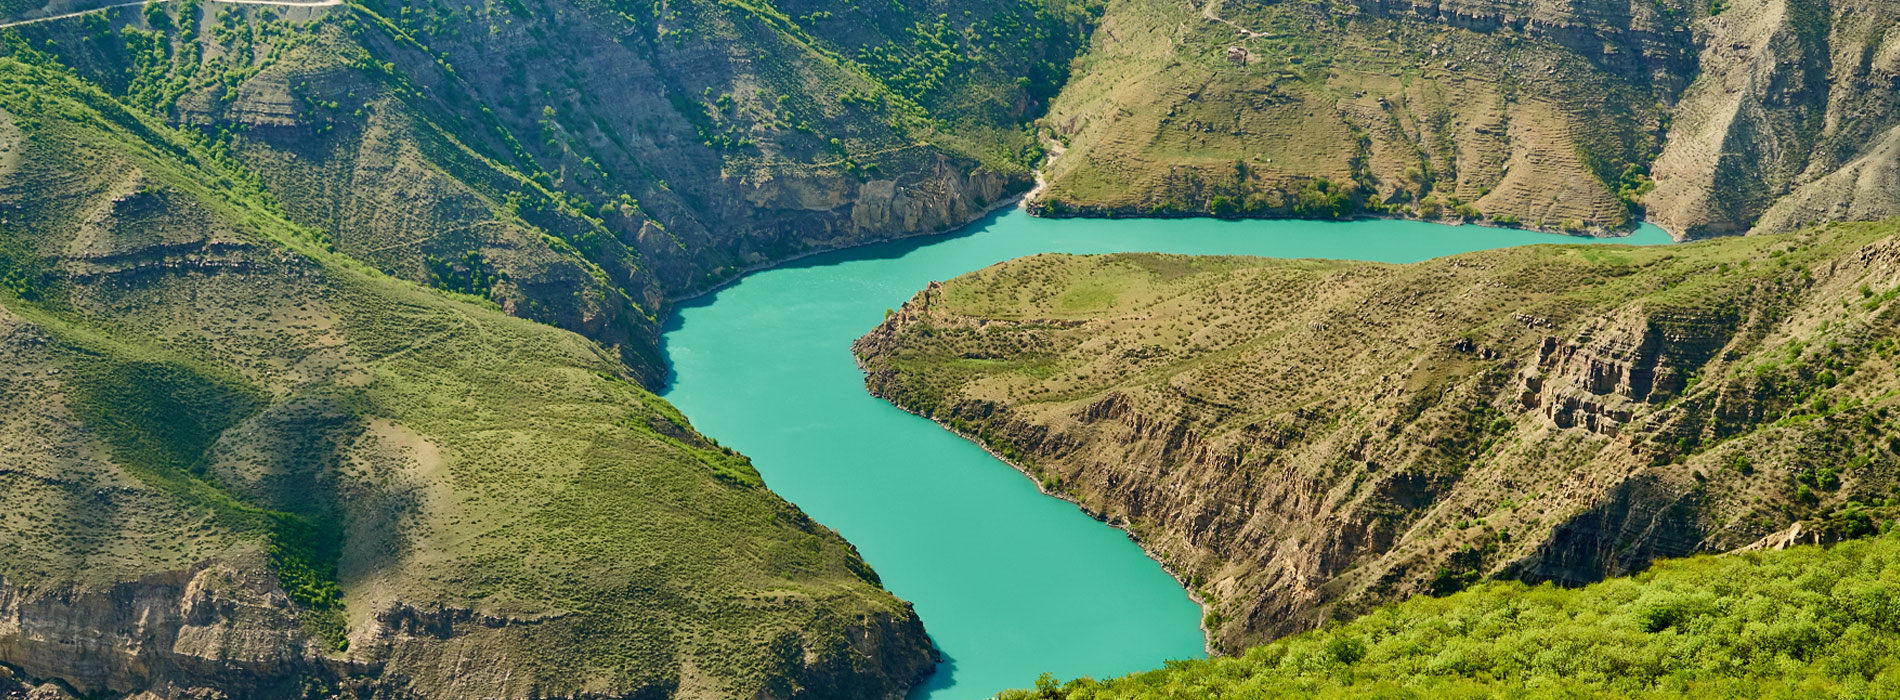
1009	583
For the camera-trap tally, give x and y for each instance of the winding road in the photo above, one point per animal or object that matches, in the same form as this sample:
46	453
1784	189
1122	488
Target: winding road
277	3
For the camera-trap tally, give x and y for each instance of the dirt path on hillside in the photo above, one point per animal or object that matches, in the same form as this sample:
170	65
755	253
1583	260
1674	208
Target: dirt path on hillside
1208	10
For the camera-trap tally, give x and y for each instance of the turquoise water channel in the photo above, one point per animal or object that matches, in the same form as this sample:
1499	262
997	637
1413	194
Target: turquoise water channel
1009	583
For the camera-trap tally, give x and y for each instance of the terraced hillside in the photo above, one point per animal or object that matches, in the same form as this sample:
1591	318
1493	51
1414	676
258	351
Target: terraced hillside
1803	623
1301	440
235	462
1709	118
581	161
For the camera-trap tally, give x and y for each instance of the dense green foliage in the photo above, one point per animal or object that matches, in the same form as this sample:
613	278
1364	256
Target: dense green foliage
1800	623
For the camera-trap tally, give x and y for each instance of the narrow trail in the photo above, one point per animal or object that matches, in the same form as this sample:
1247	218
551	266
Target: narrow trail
81	13
838	162
1207	11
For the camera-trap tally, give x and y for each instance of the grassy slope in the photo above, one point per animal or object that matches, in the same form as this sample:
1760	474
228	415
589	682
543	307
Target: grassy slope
1298	439
241	396
401	463
1799	623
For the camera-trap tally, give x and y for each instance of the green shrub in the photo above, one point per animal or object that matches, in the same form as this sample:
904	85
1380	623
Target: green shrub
1805	622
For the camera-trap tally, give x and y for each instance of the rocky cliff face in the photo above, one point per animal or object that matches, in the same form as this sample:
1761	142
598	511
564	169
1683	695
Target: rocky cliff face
1300	440
227	629
221	628
1793	111
1761	115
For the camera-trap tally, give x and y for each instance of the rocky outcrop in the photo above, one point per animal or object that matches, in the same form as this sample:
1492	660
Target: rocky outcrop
219	628
1299	441
1600	378
1794	101
227	630
1560	115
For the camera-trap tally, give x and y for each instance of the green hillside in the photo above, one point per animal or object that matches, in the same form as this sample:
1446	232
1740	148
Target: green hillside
241	461
1801	623
327	332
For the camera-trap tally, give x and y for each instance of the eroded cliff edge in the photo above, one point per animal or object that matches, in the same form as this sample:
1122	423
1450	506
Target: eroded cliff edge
1299	440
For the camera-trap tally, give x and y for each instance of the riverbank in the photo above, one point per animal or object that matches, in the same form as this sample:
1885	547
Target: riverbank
1009	582
1098	516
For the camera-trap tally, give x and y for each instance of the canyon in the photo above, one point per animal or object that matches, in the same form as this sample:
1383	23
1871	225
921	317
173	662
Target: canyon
271	280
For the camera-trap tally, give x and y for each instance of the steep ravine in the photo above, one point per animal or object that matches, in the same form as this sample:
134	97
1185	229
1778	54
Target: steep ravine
1300	440
581	164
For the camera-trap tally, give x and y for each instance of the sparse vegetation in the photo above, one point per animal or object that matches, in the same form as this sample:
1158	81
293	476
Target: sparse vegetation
1335	113
1393	411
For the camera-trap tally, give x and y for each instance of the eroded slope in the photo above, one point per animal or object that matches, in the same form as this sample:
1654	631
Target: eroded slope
1751	114
1792	121
1300	439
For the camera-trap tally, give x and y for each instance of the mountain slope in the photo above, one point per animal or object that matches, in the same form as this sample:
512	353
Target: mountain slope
1300	439
240	462
1750	114
580	162
1336	108
1792	120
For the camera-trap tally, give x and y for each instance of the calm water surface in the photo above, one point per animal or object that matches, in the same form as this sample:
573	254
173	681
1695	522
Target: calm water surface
1009	583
